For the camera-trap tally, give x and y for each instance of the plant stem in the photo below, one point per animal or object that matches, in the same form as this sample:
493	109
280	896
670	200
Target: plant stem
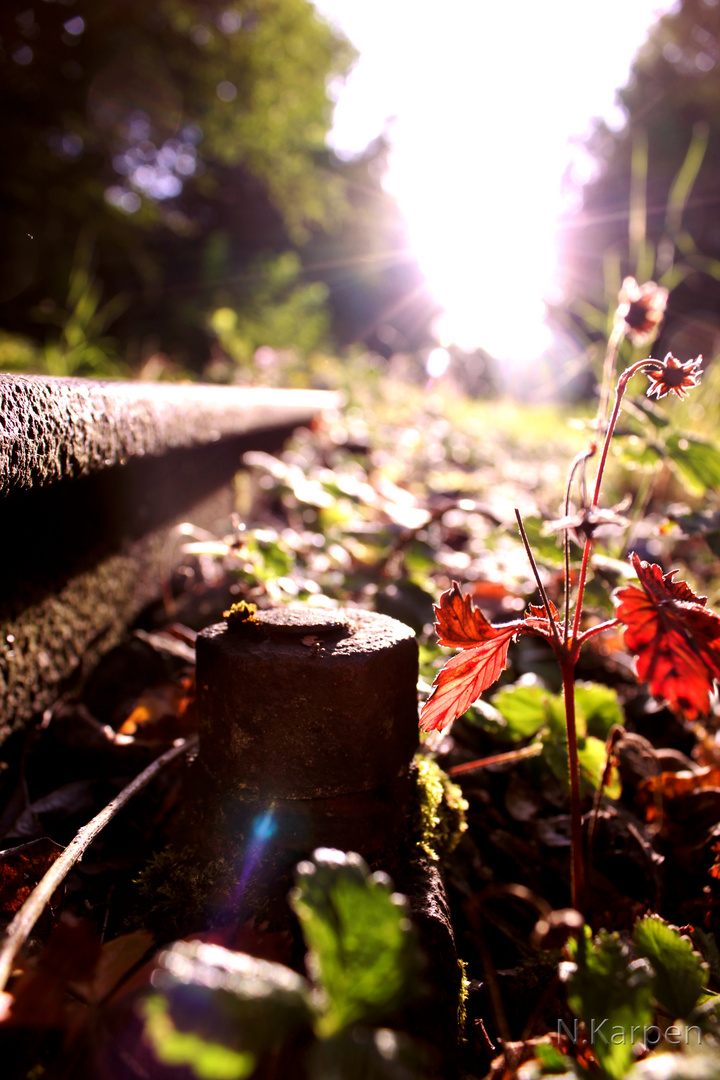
608	365
32	909
536	572
619	393
579	459
577	876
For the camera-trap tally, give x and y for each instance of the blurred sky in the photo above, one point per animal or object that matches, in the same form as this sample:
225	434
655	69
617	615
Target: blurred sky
480	99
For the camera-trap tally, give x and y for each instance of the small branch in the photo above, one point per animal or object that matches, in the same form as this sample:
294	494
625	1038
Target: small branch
536	573
534	750
24	921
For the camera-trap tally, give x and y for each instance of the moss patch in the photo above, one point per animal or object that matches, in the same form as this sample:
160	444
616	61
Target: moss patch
440	811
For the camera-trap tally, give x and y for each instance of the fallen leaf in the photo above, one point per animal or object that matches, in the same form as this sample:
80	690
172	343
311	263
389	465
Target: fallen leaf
20	870
673	636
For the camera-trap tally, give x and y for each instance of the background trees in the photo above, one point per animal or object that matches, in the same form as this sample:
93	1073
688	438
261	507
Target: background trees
653	205
159	158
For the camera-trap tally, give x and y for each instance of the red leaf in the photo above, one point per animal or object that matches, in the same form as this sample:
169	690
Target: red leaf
674	637
464	677
458	623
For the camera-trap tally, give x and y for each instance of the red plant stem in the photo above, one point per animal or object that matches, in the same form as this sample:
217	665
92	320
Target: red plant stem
577	875
599	629
619	393
578	460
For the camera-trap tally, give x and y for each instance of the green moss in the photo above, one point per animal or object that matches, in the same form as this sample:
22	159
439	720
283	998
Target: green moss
463	995
179	888
440	810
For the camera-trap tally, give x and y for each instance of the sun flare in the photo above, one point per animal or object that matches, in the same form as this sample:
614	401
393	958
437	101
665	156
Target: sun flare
479	102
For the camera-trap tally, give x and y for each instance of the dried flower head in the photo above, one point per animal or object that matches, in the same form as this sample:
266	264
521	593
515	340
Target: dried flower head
671	375
640	309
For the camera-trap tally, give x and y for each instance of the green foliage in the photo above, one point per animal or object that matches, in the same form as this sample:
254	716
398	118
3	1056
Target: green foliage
276	311
610	993
361	946
680	974
236	1007
522	712
665	156
189	138
441	809
208	1060
220	1011
613	994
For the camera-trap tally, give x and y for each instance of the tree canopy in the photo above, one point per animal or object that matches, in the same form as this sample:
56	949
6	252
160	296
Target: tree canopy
159	157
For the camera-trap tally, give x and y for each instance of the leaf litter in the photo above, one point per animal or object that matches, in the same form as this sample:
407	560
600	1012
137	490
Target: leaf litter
389	522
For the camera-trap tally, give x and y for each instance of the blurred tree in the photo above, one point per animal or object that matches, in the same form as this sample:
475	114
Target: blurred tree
650	208
377	291
175	140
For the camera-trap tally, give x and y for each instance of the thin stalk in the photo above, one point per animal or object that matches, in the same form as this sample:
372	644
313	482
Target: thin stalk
577	461
24	921
613	344
619	393
577	876
536	573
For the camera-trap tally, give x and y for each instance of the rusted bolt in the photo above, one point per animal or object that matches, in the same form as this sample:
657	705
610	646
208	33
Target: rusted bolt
302	703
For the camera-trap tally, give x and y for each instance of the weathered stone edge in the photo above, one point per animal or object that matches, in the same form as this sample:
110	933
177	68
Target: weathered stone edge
58	428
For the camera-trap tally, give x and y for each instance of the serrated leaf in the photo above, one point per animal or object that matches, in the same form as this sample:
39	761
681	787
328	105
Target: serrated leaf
611	995
680	974
362	946
674	637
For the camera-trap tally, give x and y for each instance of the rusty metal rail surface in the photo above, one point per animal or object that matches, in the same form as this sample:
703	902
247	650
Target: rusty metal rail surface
93	478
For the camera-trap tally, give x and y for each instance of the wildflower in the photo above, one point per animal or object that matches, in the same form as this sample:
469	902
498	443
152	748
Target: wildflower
587	520
640	309
672	375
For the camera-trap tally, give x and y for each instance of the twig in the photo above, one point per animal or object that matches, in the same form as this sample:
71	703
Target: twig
32	909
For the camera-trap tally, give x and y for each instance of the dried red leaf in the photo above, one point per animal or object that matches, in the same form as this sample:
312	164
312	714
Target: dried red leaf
20	870
164	712
674	637
461	625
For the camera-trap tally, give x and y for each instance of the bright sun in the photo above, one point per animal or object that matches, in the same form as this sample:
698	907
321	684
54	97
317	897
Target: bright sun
483	99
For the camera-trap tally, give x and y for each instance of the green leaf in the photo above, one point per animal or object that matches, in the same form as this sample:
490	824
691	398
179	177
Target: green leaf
611	995
524	709
362	948
697	460
219	1011
208	1060
680	974
600	706
592	756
